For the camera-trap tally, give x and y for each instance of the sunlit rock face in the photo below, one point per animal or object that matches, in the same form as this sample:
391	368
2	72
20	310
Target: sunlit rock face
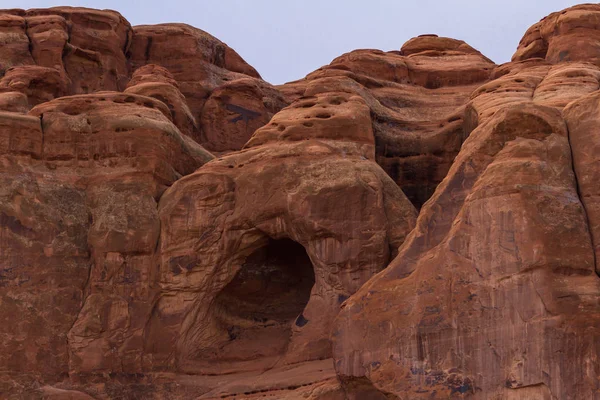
412	224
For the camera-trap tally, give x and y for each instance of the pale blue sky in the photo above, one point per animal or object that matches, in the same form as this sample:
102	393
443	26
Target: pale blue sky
285	40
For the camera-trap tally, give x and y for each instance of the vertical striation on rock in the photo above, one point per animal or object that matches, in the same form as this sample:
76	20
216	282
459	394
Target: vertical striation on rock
79	226
582	120
60	51
494	294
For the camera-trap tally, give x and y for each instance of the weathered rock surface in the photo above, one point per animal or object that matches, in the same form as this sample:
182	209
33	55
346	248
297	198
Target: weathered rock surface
488	300
134	299
86	45
79	181
235	110
568	35
416	96
157	82
495	293
259	287
294	265
582	120
38	84
315	380
262	282
226	96
60	51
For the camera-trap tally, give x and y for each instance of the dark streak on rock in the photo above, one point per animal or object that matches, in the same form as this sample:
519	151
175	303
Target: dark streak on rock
15	226
301	321
244	114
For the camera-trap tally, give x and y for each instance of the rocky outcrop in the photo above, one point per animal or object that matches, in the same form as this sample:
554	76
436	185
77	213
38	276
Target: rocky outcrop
235	110
15	42
147	294
38	84
225	95
294	263
61	51
259	288
277	254
416	96
80	179
157	82
480	303
568	35
86	45
495	292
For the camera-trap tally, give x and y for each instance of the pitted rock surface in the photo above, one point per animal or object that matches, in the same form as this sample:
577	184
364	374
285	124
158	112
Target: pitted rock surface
417	98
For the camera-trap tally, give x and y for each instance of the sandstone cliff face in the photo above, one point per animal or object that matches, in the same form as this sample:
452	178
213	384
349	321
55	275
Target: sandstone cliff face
276	205
226	96
80	176
497	283
55	52
410	224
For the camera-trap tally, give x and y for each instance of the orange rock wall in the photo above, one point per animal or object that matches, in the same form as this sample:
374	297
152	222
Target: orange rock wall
412	224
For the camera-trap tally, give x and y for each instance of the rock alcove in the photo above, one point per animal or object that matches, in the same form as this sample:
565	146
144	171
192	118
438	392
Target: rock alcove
264	299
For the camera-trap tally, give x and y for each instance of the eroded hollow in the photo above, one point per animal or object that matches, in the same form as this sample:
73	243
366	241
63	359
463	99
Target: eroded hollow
266	297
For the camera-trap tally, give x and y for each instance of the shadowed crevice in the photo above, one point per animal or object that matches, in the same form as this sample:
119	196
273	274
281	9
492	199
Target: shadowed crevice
578	191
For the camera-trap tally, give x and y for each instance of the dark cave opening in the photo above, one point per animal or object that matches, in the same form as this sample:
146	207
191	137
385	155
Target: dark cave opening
266	297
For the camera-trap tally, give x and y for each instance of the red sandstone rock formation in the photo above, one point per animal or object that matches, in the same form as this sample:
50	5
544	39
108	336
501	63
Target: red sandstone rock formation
495	293
226	96
569	35
135	264
55	52
155	81
272	213
80	179
417	98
